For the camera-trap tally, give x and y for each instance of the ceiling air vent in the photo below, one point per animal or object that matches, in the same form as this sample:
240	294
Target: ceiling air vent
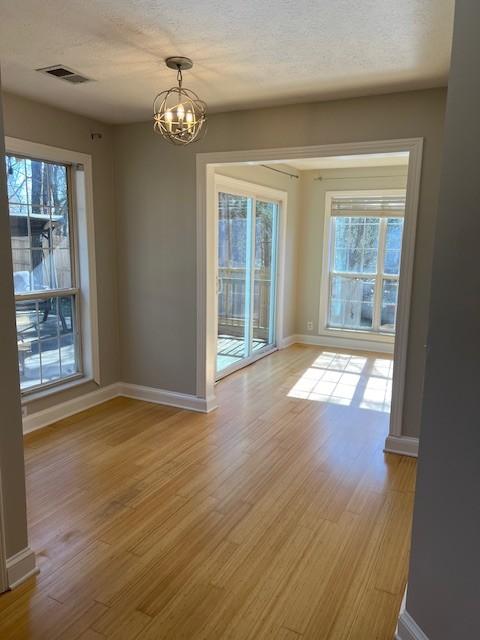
64	73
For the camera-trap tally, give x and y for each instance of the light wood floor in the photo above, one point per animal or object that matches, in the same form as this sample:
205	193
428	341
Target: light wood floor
277	516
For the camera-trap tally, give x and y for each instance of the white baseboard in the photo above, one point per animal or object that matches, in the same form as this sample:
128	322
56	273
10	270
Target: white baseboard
210	404
170	398
68	408
42	418
287	342
20	567
403	445
408	629
340	342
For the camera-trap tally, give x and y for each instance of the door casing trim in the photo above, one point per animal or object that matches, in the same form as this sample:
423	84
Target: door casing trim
205	188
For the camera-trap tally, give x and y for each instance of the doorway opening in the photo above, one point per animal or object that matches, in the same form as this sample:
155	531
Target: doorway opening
338	270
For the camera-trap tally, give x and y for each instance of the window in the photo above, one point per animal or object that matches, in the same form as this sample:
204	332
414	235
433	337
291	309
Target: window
363	245
44	270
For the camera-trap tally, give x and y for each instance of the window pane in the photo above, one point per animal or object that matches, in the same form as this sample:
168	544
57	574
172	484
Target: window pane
340	259
41	186
27	342
38	208
393	246
46	340
60	269
232	224
356	244
50	358
351	302
41	270
264	275
66	306
19	227
233	240
17	180
389	305
22	270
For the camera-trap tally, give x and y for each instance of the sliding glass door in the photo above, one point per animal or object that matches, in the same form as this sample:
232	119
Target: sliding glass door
247	260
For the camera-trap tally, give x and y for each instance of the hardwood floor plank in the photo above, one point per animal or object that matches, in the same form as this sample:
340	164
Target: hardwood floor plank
276	516
121	623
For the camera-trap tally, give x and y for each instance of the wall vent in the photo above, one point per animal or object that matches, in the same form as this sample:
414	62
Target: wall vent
64	73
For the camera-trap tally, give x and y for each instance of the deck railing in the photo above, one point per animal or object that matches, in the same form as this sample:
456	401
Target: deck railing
231	302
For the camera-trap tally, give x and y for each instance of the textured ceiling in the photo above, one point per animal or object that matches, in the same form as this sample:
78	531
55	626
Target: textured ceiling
247	53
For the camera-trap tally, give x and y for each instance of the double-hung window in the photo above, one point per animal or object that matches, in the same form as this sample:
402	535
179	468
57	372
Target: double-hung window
45	271
363	245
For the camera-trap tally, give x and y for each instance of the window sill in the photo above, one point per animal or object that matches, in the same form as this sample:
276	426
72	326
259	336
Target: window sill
356	340
28	397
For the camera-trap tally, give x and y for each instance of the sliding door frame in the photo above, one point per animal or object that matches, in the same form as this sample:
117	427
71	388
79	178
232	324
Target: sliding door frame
207	163
234	186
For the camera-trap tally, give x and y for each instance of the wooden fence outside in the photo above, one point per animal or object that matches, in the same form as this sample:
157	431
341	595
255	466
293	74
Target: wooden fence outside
231	302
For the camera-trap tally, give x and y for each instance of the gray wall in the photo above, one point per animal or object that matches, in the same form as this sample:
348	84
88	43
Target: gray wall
156	204
145	224
311	236
444	585
11	444
275	180
44	124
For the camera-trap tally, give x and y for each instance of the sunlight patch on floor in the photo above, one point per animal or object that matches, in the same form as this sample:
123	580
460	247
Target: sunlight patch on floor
348	380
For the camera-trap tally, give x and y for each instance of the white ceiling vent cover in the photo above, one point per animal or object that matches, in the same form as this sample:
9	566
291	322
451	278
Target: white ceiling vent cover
64	73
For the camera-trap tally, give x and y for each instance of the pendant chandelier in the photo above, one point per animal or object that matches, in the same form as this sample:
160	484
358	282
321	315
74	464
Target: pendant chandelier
178	113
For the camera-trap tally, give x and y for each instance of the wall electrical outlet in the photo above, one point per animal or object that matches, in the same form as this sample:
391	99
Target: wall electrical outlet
24	411
309	325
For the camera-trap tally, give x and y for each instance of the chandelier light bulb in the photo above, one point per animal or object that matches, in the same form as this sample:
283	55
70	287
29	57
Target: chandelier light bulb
169	119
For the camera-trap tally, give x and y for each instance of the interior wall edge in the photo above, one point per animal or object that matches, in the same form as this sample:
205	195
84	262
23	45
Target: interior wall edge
20	567
408	629
12	465
402	445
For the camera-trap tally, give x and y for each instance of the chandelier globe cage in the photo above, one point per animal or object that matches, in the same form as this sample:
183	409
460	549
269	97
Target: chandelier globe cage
179	115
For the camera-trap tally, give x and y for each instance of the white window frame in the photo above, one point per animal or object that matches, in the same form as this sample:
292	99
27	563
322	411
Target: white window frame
83	259
256	191
367	335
